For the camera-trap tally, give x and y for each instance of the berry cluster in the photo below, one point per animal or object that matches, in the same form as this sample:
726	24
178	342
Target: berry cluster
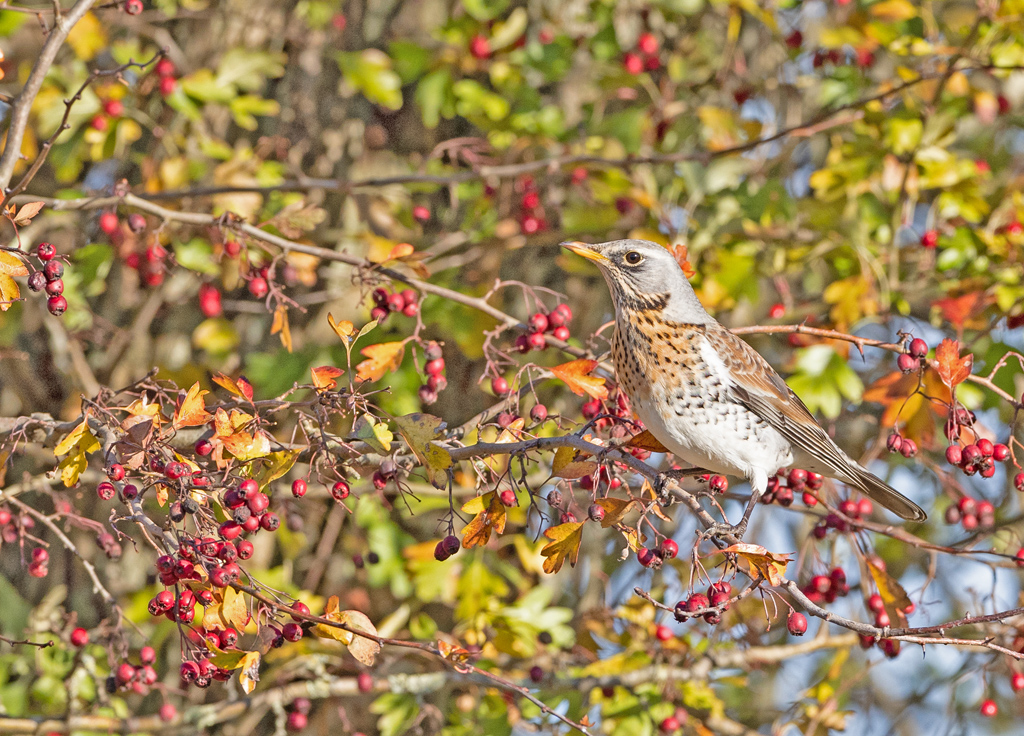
855	510
826	588
50	278
385	302
531	215
112	109
980	457
137	678
667	550
783	487
903	445
697	604
971	514
914	358
877	606
434	368
446	548
298	714
165	71
554	323
644	57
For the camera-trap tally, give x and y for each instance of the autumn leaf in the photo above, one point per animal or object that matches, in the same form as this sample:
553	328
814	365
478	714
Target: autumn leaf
230	430
568	465
375	434
896	392
453	652
227	610
249	671
342	329
10	292
576	375
769	565
614	510
280	325
275	465
401	250
679	252
363	649
419	431
953	370
892	593
239	387
962	309
490	514
192	412
26	212
78	443
646	441
323	377
565	543
380	359
11	265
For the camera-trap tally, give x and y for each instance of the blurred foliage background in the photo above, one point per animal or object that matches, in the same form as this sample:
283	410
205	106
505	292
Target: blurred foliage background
851	165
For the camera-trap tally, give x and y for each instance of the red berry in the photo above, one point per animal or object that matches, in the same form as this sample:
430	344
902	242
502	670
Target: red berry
632	63
663	633
125	673
113	108
695	603
109	223
539	413
339	491
136	222
875	603
531	200
797	624
168	85
909	448
228	638
538	322
536	341
168	712
99	123
435	367
258	287
669	549
53	270
364	682
209	300
499	386
79	637
45	252
292	631
1000	452
561	333
245	549
906	363
57	305
1018	481
795	40
669	725
1017	681
296	721
479	47
918	348
133	7
989	708
37	282
55	288
507	497
985	446
647	43
930	238
147	655
954	455
105	490
777	311
421	213
647	557
299	488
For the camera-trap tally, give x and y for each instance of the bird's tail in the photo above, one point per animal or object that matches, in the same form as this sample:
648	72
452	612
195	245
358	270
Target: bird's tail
882	493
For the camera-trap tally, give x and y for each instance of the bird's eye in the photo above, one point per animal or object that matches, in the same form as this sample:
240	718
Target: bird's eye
633	258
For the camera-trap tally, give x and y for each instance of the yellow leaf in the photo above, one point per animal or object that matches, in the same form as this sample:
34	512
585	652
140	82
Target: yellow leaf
11	265
646	441
227	609
576	376
419	431
192	412
275	465
72	438
375	434
893	595
894	10
245	446
363	649
567	465
10	292
87	37
770	565
380	359
565	544
280	325
490	514
76	445
323	377
343	329
249	671
614	510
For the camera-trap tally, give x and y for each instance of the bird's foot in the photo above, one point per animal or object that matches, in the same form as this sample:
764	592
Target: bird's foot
662	485
724	530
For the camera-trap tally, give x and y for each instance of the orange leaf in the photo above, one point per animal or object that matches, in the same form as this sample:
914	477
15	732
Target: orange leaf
565	544
646	441
239	387
192	412
27	212
380	359
576	375
958	310
490	514
11	265
770	565
952	368
679	251
343	329
400	251
323	377
280	325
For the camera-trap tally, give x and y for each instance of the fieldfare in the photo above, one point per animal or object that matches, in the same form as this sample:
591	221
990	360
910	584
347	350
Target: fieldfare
704	393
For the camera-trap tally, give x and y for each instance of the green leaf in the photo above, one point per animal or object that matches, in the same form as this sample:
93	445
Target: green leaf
196	255
245	108
369	71
411	60
433	96
397	712
485	9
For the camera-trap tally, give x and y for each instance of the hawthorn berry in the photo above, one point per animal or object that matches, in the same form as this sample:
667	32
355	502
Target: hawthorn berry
124	673
421	213
539	413
109	223
168	712
669	725
797	623
954	455
270	522
45	252
37	281
669	549
479	47
561	333
1017	681
632	63
647	43
133	7
339	491
499	386
245	549
296	721
258	287
299	488
907	363
918	348
105	490
507	497
930	239
53	270
989	708
168	85
79	637
364	682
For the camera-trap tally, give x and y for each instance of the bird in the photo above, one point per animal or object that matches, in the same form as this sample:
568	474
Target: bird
704	393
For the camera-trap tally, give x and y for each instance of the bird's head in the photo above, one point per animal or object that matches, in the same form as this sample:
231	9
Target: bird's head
644	276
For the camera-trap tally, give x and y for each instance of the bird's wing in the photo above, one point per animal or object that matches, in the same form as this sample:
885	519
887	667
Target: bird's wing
756	385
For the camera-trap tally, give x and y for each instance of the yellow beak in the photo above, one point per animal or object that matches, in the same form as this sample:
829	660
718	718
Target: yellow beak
582	249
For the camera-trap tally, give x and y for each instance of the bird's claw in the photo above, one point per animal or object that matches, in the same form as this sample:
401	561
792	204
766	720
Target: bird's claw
721	530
